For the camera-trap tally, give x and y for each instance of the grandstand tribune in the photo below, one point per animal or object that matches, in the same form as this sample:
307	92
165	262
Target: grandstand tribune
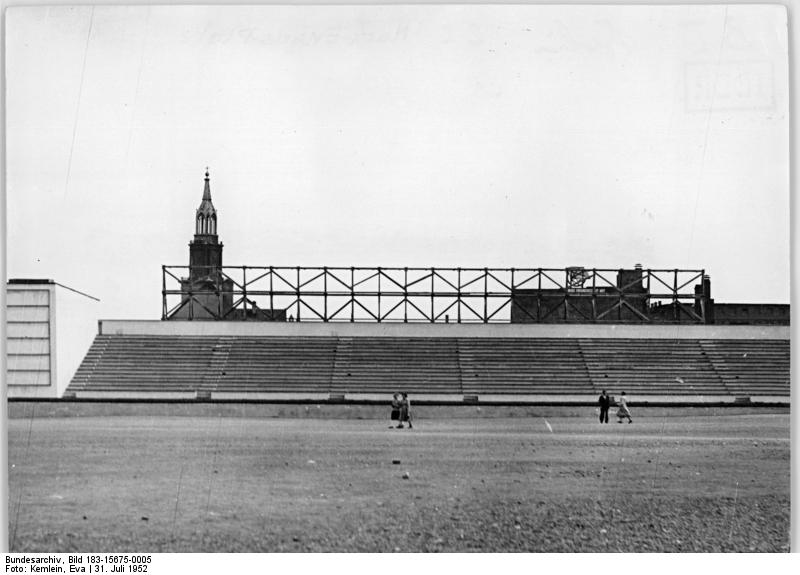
485	363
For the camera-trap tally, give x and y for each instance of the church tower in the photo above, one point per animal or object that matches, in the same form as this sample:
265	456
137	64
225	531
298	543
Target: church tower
207	294
205	251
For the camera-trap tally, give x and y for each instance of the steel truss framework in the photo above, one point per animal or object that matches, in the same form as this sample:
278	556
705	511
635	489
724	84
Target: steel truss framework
438	295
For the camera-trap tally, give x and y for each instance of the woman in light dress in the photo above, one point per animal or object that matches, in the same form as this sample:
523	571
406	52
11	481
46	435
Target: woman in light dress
623	410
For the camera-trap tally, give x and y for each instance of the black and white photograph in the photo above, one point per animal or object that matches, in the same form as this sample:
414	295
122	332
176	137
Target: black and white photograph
385	278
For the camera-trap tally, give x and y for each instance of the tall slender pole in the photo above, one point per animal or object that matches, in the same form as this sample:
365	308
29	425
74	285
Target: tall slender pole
163	292
297	292
539	299
485	295
405	296
325	294
458	305
244	289
433	309
675	296
703	296
511	311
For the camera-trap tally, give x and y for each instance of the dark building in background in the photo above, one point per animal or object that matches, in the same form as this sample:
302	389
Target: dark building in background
630	301
579	303
751	313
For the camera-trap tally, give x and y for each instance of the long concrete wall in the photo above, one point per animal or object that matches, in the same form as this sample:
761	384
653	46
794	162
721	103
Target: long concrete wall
233	328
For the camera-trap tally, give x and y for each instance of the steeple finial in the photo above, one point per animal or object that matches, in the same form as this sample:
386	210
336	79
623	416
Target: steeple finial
207	189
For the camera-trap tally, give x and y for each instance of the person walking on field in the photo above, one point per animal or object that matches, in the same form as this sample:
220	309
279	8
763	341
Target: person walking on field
623	410
405	411
604	402
395	409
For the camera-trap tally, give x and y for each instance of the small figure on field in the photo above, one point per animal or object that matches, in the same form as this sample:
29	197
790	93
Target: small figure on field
405	411
395	408
623	410
604	402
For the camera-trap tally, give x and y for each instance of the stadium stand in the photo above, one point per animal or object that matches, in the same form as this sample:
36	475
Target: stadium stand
385	365
671	367
751	367
297	364
145	363
452	366
523	366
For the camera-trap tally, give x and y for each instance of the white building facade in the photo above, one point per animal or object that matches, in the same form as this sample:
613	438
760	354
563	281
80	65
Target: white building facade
49	327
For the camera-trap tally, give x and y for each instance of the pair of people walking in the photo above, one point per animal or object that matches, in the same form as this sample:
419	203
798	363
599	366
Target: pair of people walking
622	412
401	410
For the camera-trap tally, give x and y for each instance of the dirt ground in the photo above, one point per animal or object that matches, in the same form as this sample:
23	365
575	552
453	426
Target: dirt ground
163	483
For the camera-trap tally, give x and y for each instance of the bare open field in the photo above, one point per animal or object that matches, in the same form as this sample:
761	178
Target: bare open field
226	483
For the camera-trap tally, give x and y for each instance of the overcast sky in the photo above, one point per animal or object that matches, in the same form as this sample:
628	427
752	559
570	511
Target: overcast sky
495	136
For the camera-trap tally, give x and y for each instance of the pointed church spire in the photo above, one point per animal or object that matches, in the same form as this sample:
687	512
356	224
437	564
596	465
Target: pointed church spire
207	190
206	217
